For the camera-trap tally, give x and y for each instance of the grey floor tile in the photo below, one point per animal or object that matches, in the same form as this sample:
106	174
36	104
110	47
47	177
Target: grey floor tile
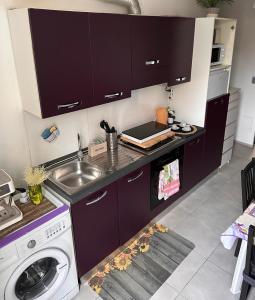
224	258
204	238
194	200
165	292
86	293
180	297
209	283
177	214
251	295
186	270
217	214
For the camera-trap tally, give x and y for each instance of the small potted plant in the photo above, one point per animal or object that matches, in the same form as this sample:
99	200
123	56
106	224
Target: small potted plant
34	178
213	6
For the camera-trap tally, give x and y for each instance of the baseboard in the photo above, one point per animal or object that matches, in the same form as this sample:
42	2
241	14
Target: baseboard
245	144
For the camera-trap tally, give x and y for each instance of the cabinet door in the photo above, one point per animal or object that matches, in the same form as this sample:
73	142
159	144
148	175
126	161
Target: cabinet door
111	55
134	202
193	163
215	124
181	50
95	227
62	60
150	51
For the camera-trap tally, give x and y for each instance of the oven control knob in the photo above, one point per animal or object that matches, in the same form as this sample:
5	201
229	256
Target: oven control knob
31	244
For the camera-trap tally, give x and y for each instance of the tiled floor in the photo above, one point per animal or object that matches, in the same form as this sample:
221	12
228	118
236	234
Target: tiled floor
206	274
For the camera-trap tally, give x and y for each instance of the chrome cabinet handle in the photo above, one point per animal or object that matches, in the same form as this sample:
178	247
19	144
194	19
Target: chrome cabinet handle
97	199
181	79
69	105
152	62
112	96
135	178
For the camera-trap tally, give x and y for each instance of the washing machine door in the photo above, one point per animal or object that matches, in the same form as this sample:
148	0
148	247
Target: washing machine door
39	276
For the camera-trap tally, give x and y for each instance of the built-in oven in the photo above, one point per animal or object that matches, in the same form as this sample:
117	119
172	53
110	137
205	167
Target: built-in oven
156	167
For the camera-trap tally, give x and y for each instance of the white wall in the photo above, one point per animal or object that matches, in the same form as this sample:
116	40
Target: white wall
244	65
18	149
189	100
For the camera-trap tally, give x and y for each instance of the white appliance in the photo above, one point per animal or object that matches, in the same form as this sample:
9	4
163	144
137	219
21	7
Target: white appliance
218	54
9	212
218	83
40	264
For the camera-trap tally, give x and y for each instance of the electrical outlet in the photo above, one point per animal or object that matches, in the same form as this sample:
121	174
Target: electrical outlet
171	93
253	80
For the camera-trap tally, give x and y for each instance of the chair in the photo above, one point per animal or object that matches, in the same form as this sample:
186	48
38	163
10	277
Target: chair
249	270
248	184
248	191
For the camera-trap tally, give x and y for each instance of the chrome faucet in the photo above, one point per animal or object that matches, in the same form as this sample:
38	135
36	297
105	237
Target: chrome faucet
80	152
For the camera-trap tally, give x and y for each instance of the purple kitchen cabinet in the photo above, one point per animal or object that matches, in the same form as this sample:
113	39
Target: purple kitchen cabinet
111	56
162	50
215	123
95	228
134	203
181	42
193	163
61	48
150	50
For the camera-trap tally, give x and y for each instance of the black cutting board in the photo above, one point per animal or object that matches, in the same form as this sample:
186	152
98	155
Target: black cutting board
146	131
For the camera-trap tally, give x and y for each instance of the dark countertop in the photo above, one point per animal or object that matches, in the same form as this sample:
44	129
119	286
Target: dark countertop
117	174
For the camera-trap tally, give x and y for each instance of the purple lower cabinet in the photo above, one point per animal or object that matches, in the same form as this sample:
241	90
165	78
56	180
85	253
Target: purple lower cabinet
95	227
193	163
134	203
215	124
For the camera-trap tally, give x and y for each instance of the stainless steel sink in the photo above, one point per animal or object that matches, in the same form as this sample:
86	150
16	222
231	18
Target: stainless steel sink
75	175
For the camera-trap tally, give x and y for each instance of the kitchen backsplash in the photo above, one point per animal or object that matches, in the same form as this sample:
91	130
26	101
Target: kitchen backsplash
138	109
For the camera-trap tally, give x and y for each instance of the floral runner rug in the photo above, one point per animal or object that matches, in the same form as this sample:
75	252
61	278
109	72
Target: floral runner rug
140	270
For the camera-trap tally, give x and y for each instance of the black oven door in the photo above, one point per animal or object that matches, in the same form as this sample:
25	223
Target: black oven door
156	167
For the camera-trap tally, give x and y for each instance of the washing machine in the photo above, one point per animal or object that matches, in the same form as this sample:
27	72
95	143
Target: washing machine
39	262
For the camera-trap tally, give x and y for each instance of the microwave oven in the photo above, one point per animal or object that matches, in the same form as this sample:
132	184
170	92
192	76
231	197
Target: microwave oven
218	54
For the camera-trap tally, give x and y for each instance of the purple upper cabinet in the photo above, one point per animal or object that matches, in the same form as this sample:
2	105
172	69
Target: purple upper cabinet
61	48
181	41
111	55
134	203
215	123
150	50
95	228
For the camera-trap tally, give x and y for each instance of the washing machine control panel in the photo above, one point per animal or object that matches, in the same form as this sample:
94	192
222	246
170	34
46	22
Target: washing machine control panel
38	238
56	229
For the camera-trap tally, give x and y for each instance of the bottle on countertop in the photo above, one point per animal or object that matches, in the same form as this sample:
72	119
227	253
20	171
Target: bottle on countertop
171	116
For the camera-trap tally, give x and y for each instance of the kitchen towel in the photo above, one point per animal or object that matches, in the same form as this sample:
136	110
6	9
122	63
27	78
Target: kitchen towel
169	180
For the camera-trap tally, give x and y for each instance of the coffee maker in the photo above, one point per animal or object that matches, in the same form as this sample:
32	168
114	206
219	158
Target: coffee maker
9	212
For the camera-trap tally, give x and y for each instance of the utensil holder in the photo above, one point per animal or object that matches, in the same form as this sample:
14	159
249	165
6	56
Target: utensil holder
112	140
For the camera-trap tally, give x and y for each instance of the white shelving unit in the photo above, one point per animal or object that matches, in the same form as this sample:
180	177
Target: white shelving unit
231	125
190	99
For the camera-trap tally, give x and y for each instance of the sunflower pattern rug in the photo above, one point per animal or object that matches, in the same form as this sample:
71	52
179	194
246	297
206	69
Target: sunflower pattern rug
139	270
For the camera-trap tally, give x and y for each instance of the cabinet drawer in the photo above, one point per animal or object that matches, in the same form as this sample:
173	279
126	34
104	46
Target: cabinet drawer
235	96
234	104
232	116
230	130
226	157
228	144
